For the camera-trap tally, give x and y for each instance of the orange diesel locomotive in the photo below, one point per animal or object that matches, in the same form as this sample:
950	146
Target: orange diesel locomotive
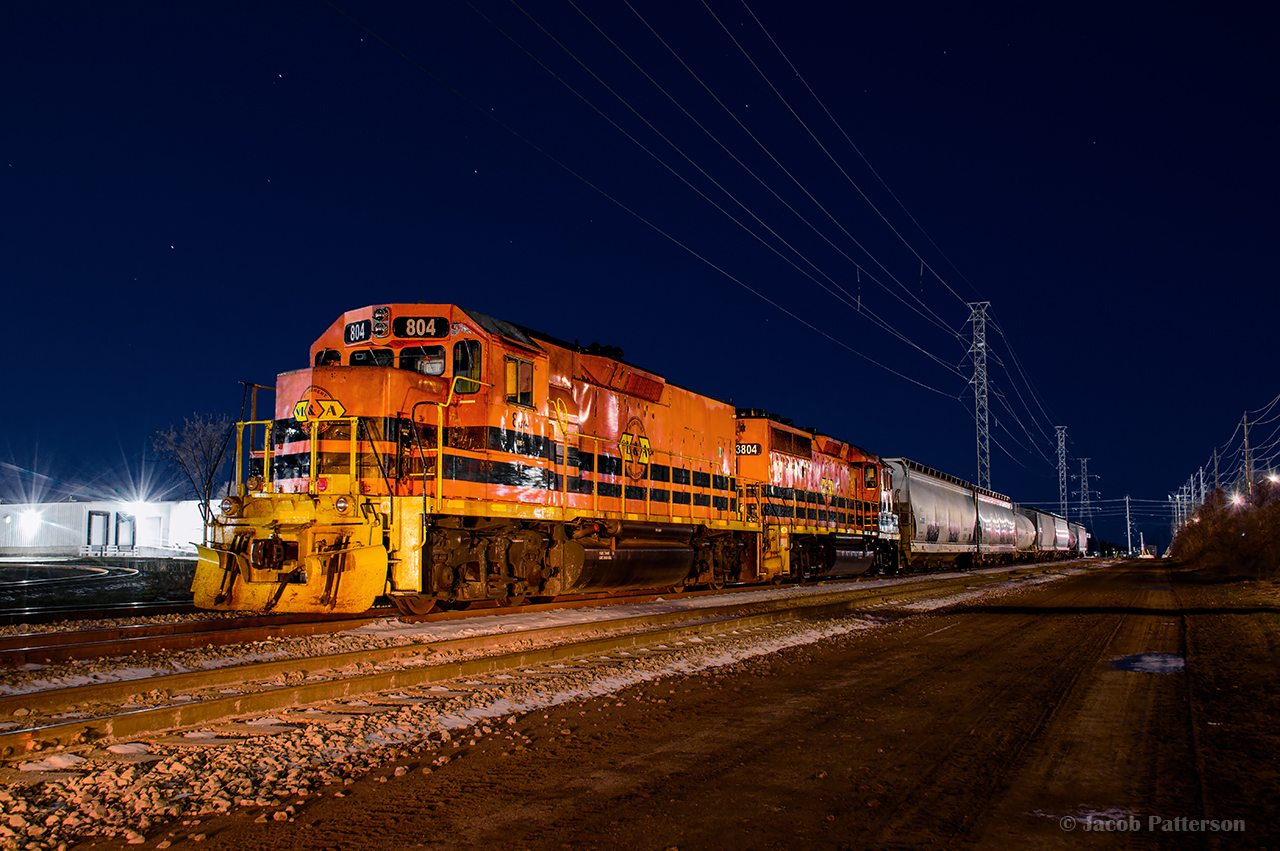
437	456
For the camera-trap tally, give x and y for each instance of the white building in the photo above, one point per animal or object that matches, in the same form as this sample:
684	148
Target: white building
100	528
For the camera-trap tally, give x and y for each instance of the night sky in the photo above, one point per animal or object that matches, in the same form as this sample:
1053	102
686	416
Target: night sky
786	204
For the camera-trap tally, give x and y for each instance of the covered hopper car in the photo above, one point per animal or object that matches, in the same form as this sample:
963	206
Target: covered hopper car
946	522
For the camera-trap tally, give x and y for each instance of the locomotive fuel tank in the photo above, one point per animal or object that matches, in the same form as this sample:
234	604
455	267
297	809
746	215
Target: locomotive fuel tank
623	556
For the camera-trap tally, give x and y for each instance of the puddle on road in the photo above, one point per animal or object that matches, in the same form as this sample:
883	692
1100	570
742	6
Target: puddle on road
1150	663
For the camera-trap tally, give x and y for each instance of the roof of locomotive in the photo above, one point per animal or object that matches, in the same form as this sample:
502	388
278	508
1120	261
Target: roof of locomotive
508	330
530	338
760	414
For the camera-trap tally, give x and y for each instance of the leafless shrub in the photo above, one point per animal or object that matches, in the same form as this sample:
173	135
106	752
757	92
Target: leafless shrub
199	450
1227	539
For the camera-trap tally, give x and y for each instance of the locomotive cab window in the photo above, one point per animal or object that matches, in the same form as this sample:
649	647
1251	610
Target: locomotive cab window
870	476
519	380
428	360
372	357
328	357
466	365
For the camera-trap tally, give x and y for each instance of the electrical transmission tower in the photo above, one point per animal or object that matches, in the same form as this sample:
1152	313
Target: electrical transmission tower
1086	512
982	413
1062	470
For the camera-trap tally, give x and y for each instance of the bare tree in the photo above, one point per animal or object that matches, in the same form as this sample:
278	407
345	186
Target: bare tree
199	451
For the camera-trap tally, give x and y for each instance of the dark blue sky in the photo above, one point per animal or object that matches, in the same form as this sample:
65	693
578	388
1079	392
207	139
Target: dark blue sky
191	194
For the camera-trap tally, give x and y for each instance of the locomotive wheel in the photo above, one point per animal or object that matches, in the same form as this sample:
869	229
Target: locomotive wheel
415	605
511	600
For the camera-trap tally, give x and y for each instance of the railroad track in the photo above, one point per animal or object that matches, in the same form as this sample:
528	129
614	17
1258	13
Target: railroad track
113	641
49	647
154	705
53	646
60	614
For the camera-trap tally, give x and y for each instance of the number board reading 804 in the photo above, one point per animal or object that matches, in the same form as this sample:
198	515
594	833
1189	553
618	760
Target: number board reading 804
420	326
357	332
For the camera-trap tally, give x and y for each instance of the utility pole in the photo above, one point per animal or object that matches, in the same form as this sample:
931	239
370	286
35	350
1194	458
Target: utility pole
1062	470
1216	484
1128	525
982	412
1248	474
1203	496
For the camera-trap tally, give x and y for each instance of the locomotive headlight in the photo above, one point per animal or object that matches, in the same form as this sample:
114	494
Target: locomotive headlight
379	329
381	313
230	507
342	504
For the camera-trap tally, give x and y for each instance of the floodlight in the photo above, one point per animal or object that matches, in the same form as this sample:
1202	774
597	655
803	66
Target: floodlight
29	522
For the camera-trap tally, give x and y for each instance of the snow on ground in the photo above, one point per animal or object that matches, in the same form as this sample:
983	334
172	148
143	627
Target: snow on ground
965	596
507	623
393	632
164	783
140	786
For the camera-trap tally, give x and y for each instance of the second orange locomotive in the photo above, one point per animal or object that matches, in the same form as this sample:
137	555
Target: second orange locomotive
436	455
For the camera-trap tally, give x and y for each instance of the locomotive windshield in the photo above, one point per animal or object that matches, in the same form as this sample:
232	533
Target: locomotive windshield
428	360
372	357
466	364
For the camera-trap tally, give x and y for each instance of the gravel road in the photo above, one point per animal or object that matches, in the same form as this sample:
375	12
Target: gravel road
993	722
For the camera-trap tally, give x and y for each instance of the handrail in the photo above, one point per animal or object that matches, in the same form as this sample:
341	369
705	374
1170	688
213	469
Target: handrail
858	519
373	447
439	450
268	455
560	421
